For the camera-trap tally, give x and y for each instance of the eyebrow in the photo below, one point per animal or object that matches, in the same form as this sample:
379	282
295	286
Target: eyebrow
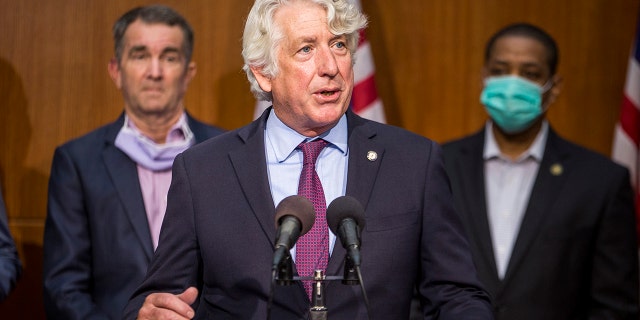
305	39
142	48
313	38
135	49
171	50
525	64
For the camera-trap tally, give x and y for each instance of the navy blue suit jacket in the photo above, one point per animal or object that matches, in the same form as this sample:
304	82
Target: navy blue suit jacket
575	256
219	231
97	244
10	266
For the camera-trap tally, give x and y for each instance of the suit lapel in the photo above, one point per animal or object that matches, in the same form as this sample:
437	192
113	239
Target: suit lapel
469	166
250	165
361	175
549	181
124	175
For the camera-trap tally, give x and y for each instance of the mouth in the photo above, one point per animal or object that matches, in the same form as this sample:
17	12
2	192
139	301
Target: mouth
328	95
152	89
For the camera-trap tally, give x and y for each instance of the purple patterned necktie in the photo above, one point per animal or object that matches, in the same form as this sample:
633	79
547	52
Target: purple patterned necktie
312	249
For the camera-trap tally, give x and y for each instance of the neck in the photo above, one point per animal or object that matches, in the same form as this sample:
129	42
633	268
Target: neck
155	126
306	129
514	145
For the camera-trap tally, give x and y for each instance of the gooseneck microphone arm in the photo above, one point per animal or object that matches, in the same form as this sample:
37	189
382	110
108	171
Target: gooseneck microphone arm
345	217
294	217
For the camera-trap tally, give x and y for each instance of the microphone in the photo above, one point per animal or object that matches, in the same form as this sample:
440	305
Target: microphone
294	217
345	217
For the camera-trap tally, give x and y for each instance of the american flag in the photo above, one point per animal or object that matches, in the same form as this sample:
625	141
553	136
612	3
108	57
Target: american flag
626	142
364	100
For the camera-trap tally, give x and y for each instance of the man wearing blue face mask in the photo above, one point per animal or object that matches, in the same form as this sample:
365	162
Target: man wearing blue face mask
551	224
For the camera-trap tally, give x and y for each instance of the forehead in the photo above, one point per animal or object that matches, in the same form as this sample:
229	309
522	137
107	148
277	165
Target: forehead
159	35
300	19
518	49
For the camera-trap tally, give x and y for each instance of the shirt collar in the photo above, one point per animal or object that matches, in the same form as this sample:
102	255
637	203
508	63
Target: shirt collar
535	151
284	140
180	130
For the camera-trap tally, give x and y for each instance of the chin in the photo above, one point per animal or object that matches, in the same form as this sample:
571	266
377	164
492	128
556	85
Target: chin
156	105
329	116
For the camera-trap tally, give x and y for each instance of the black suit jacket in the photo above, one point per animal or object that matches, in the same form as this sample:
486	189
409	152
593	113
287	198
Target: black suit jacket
97	244
219	231
575	256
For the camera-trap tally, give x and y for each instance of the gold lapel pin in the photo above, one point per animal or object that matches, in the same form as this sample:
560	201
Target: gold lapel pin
372	156
556	169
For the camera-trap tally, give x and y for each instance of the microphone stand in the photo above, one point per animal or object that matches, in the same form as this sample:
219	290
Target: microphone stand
285	272
350	275
318	311
282	275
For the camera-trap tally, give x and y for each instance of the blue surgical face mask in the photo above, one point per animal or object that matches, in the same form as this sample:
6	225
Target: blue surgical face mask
513	103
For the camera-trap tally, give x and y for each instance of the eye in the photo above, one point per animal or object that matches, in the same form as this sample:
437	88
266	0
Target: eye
531	75
305	49
172	58
340	45
498	71
138	55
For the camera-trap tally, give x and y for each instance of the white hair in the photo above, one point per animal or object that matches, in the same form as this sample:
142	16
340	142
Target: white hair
261	36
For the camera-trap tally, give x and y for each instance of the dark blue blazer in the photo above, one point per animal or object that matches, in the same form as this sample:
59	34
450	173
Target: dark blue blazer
219	231
10	265
575	256
97	244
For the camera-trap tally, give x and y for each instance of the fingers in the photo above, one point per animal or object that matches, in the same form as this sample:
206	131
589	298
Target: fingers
161	306
189	296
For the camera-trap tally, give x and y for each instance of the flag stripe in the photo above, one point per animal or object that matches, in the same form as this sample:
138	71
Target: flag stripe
365	100
375	111
632	82
363	38
364	66
630	120
364	93
625	152
627	132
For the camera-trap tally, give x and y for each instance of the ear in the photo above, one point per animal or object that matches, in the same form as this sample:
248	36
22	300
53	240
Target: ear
263	80
484	73
555	90
190	73
114	72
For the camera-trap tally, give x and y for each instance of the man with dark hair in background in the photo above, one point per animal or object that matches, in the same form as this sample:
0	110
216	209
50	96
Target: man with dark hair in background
107	190
551	224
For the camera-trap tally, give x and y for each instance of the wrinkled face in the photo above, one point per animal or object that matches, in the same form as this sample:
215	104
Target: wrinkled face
313	86
524	57
153	74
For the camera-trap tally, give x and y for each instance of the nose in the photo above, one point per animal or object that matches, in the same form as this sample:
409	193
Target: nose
155	69
326	62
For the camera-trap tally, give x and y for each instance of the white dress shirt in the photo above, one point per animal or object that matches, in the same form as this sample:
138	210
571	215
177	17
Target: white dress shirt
508	187
284	162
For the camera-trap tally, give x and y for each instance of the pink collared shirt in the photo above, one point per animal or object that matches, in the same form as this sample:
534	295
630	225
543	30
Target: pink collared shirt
155	184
